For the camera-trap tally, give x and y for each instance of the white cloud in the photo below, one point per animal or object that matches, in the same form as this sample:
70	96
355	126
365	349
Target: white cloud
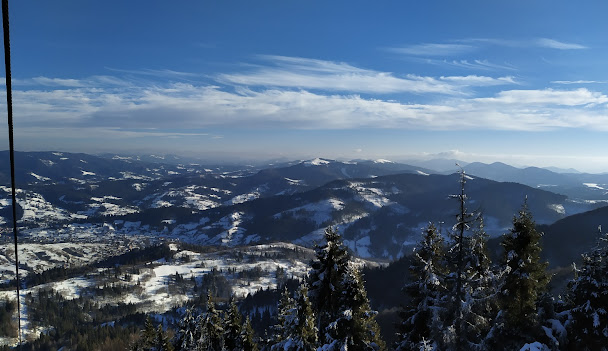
302	73
163	73
578	82
578	97
473	80
94	81
51	82
433	49
186	107
484	65
538	42
57	82
555	44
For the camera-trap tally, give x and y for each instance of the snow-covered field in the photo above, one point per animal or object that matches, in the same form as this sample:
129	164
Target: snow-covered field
35	258
152	286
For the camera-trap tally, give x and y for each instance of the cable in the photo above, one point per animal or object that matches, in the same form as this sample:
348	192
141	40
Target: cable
9	105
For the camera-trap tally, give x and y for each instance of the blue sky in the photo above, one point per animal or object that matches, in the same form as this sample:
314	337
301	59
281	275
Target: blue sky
525	82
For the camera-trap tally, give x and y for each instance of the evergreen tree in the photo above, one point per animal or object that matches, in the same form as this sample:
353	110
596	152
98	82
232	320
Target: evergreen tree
296	329
306	329
345	318
588	301
149	333
186	335
466	315
210	329
147	336
325	278
356	327
152	339
248	337
285	316
161	341
485	288
524	282
420	317
232	328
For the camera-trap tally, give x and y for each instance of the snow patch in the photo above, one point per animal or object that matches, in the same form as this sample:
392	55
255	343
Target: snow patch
593	186
559	208
44	179
293	181
360	247
535	346
239	199
374	196
316	162
319	212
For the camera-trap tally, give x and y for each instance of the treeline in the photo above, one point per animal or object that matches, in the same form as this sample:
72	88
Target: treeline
79	324
137	256
7	326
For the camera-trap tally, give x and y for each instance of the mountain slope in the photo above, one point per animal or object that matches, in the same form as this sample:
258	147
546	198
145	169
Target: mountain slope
566	239
377	216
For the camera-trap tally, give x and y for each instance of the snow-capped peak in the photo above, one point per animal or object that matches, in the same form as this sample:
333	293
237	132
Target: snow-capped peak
316	162
381	160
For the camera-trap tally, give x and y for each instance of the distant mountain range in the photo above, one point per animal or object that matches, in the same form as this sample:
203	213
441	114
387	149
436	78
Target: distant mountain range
379	206
577	186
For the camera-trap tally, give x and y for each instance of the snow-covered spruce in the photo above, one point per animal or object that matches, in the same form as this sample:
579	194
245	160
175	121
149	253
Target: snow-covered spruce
420	326
524	281
345	318
296	330
588	300
469	305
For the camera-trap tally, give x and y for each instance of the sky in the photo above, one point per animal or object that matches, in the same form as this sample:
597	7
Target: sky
522	82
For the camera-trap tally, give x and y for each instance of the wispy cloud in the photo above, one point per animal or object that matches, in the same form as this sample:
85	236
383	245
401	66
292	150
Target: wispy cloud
474	80
555	44
58	82
433	49
303	73
578	97
579	82
94	81
484	65
522	43
162	73
49	82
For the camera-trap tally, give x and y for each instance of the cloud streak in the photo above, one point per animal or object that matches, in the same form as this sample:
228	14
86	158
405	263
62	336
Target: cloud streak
547	43
567	82
559	45
484	65
433	49
311	74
